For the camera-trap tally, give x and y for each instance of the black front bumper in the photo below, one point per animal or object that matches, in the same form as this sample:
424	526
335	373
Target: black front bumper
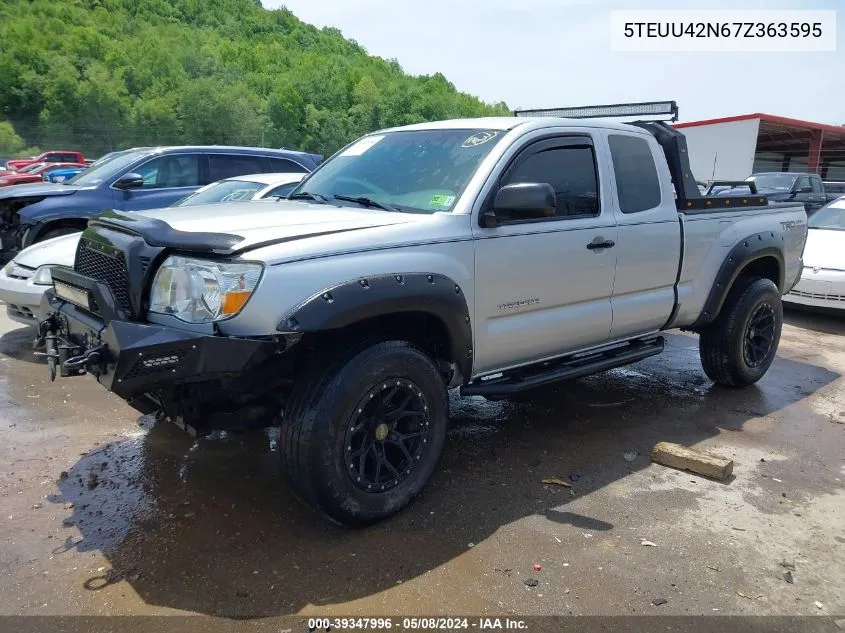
133	359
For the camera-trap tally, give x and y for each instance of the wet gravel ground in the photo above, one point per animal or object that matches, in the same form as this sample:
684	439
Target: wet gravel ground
104	513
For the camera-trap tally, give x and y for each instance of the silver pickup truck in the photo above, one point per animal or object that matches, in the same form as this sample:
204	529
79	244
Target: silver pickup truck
494	255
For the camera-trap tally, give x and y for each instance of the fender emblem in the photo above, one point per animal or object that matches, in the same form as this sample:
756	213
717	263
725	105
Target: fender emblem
816	270
518	304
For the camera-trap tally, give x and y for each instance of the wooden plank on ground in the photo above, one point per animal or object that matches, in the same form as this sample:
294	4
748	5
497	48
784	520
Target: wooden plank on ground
685	458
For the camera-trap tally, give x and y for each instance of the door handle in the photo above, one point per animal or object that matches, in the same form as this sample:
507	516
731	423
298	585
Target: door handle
594	245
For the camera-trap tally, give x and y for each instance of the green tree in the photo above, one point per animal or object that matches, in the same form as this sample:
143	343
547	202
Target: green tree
10	142
96	75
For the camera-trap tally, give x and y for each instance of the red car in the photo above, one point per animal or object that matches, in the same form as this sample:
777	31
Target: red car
53	156
32	173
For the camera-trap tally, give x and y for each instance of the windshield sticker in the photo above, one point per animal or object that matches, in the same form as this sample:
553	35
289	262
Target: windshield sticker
478	139
441	200
361	146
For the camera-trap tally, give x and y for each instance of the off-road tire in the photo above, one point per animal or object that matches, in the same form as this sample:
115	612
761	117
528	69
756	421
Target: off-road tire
320	414
722	345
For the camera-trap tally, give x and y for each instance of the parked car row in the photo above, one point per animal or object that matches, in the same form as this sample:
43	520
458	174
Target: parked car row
53	156
38	172
129	180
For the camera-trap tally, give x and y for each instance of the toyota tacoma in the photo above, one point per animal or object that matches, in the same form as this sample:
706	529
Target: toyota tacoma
492	255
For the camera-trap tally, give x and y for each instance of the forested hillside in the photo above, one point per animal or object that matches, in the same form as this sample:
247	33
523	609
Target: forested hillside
104	74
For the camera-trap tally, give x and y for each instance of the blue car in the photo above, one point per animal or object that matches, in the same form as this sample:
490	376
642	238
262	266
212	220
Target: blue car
60	174
130	180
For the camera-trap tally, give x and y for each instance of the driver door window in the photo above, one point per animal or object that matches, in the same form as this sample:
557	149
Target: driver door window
570	170
170	171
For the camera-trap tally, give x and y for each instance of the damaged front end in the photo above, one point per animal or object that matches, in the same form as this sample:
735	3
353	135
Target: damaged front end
202	381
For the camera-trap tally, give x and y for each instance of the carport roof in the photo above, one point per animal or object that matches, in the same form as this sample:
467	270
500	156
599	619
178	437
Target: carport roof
773	120
820	144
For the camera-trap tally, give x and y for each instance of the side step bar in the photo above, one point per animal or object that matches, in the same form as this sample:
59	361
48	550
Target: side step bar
567	368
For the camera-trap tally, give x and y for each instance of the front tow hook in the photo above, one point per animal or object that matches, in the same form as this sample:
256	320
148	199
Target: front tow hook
91	361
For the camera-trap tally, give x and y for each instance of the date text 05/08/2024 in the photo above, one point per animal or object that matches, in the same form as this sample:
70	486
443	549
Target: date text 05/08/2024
416	624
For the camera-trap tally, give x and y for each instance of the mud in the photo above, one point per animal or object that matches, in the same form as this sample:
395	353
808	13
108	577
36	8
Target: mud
146	520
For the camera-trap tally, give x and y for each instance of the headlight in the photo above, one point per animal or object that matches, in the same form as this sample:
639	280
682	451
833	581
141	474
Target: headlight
43	276
13	269
3	181
201	291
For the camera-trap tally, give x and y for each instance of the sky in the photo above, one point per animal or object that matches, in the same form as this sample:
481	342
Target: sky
553	53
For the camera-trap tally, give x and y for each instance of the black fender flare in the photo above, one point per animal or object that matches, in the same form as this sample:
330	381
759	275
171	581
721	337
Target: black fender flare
40	229
379	295
746	251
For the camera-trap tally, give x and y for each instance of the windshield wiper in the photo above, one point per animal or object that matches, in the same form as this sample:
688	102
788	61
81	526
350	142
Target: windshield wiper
306	195
367	202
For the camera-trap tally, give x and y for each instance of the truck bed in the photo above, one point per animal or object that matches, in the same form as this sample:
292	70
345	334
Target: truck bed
782	224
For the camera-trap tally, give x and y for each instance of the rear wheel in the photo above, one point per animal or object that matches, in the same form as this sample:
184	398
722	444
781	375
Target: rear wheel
738	348
362	435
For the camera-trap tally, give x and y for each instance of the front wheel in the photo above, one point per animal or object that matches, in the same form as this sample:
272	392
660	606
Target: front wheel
739	346
363	434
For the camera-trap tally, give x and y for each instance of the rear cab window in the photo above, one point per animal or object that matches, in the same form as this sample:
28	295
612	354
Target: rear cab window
635	174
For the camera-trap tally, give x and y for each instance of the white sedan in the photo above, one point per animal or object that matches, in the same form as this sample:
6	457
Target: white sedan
24	280
239	188
822	283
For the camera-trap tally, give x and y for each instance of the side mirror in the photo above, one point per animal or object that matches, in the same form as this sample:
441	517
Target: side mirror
805	189
129	181
521	201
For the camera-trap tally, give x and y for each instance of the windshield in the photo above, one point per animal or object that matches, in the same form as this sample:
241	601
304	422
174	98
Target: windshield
221	191
30	168
419	171
830	216
780	182
107	169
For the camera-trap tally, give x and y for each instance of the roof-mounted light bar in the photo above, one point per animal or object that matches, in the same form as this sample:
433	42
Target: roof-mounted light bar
662	109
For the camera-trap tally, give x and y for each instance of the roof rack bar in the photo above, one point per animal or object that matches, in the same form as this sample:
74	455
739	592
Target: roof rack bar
644	108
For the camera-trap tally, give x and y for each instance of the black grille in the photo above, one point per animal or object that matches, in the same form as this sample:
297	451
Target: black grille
106	267
154	364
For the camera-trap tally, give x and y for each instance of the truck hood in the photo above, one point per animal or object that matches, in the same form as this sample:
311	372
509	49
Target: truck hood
268	221
272	221
38	189
825	248
59	250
